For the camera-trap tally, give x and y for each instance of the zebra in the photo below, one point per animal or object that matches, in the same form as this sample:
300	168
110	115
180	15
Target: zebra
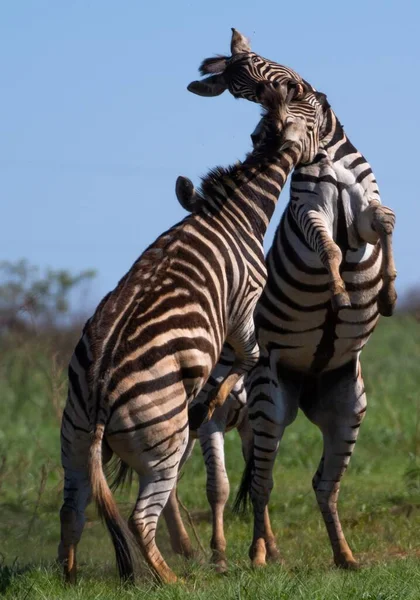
153	341
330	274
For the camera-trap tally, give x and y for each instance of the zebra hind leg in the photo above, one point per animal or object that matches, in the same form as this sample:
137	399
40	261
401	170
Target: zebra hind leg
338	413
180	540
72	518
158	469
245	432
260	485
272	406
154	492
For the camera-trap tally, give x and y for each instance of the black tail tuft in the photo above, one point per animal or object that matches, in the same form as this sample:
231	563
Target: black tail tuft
125	546
124	553
241	500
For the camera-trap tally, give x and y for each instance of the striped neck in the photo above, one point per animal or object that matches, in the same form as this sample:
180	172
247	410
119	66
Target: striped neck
334	139
254	186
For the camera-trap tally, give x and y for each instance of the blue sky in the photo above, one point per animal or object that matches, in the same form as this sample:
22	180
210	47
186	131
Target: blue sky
96	122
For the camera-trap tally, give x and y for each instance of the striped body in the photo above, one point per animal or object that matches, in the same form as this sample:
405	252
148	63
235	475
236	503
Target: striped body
295	321
159	334
333	242
152	343
142	358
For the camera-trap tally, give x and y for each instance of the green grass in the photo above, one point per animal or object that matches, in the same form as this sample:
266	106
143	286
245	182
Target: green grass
379	502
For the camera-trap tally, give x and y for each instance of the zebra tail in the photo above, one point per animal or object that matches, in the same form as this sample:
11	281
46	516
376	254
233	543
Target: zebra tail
241	501
122	538
119	474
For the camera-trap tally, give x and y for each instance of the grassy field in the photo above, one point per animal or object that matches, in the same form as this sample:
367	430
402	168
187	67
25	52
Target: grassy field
379	504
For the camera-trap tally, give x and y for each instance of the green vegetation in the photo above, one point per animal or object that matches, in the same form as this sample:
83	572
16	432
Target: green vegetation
379	504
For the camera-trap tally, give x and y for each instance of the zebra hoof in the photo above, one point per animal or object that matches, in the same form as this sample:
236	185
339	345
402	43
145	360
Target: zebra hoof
387	300
340	301
219	562
197	415
221	567
348	564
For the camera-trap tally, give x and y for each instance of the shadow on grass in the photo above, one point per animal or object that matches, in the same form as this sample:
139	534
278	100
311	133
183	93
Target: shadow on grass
8	573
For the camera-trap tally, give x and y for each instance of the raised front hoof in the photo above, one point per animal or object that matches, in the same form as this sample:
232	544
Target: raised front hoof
387	300
197	415
340	301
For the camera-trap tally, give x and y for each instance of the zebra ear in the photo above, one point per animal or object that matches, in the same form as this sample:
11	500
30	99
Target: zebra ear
239	43
185	193
216	64
211	86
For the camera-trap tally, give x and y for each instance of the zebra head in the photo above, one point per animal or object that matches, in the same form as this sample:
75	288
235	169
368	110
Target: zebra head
290	111
279	127
242	73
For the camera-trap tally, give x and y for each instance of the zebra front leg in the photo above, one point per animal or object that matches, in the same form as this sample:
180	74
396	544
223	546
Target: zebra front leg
338	412
317	234
246	356
383	223
377	222
180	540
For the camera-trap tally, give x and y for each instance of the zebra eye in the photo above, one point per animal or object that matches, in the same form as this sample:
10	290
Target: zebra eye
255	59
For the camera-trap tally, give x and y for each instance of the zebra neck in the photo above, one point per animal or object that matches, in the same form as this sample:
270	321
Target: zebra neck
258	186
349	164
334	139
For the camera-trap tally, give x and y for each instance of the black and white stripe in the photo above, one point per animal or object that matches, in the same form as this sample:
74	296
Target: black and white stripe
152	343
330	275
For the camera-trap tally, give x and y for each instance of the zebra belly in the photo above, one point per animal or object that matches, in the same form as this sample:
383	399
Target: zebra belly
300	330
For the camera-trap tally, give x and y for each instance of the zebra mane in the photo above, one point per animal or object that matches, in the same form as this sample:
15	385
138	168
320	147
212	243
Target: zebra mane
242	171
216	64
